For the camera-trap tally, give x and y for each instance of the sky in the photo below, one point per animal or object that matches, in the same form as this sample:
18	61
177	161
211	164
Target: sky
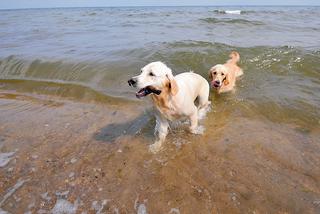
12	4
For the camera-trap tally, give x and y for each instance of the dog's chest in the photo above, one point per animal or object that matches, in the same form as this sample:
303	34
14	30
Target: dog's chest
170	113
167	108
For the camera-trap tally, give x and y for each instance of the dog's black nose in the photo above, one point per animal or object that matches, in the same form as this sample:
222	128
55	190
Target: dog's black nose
131	82
217	82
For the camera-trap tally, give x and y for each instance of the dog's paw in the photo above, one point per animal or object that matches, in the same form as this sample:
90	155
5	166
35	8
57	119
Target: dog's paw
156	147
198	130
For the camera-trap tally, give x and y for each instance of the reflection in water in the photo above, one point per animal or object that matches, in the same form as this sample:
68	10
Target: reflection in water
113	131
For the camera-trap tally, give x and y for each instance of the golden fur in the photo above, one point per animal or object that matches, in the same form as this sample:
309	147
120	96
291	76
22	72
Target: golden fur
223	77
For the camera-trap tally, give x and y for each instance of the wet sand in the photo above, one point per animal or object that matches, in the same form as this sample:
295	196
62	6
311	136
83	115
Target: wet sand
63	156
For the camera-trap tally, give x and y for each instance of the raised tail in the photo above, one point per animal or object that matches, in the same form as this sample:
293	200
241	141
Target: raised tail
234	57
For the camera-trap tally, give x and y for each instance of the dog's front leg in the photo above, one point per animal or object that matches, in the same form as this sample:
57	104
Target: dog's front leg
162	130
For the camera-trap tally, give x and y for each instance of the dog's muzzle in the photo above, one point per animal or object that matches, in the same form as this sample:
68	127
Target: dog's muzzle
216	84
143	91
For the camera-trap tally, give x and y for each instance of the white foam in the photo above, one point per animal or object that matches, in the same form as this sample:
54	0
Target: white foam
238	12
5	158
298	59
65	207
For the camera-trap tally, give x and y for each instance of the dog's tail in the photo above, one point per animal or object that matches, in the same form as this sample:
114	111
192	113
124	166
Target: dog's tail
234	57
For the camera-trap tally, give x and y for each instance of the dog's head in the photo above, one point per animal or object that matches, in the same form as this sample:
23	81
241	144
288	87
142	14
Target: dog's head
154	78
218	75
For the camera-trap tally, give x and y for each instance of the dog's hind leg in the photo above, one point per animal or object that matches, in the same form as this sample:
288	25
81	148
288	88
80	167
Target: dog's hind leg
204	103
194	128
203	96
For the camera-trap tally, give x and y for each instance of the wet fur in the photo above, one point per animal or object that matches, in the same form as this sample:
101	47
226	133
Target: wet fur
231	71
176	100
161	101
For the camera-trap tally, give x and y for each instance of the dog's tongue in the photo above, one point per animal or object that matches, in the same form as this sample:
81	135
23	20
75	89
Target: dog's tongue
141	93
214	85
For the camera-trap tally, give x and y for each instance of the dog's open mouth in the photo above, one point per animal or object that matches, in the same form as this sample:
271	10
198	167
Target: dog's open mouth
146	91
215	85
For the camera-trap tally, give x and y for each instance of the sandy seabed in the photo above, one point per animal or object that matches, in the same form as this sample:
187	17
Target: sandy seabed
63	156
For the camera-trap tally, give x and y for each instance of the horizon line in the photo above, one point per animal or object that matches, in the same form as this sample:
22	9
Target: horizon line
129	6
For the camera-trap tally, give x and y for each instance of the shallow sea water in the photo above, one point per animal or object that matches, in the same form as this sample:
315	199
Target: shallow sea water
73	138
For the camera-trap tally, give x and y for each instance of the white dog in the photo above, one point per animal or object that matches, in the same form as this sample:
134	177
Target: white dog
173	97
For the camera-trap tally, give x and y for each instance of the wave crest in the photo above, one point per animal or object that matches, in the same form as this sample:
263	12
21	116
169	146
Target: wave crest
211	20
237	12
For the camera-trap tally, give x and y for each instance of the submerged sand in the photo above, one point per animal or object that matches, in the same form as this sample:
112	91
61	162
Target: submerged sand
63	156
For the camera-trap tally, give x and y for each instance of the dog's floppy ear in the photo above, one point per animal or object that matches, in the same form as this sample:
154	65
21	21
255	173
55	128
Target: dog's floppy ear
210	74
227	80
173	86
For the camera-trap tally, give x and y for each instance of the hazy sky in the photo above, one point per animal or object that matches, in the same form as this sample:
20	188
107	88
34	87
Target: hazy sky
4	4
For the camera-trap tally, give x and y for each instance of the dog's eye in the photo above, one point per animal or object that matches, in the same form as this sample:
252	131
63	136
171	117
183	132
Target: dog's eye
214	73
141	71
151	74
222	74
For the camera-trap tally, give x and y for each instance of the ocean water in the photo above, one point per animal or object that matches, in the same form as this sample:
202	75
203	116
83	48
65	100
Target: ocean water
89	53
74	138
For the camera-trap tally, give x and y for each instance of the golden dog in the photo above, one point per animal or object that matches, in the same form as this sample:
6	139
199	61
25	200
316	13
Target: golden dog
223	77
